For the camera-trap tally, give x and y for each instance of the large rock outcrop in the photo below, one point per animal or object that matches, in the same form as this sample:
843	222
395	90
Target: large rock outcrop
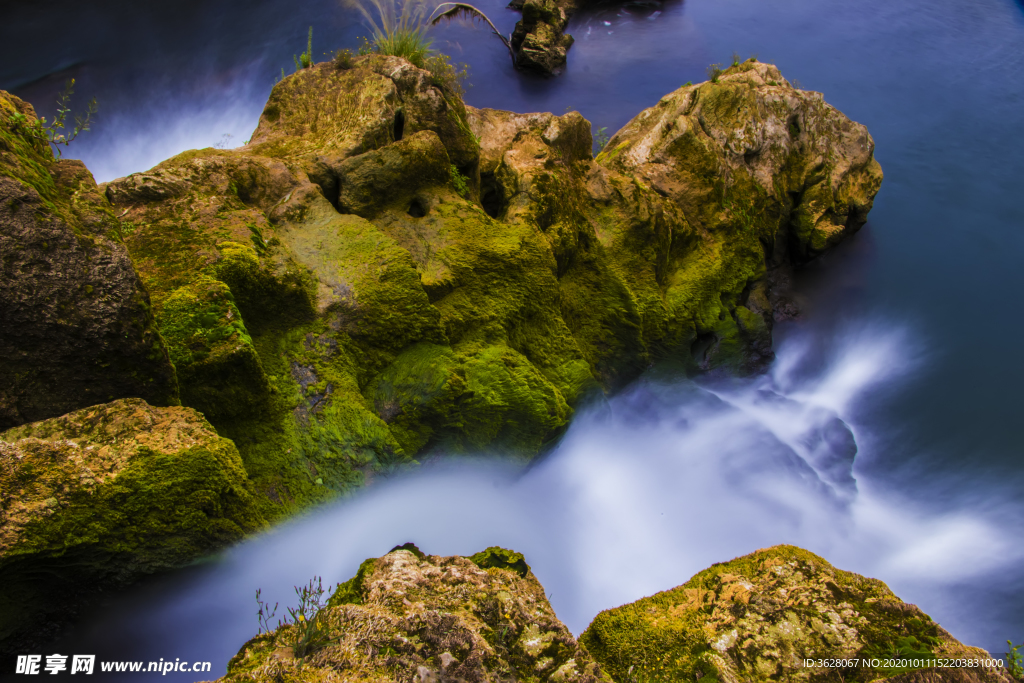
103	495
412	617
384	272
759	617
76	326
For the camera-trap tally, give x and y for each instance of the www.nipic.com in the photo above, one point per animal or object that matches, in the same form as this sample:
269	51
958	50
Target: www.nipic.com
87	664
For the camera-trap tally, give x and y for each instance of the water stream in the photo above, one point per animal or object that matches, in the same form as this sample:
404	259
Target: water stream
884	437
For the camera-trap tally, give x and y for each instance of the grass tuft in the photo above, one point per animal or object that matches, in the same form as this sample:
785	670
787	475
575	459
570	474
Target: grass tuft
399	28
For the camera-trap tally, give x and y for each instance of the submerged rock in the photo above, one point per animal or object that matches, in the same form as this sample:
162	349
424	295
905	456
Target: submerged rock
539	40
76	326
412	617
759	617
103	495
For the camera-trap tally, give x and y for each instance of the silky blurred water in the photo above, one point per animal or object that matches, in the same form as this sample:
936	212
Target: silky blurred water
909	342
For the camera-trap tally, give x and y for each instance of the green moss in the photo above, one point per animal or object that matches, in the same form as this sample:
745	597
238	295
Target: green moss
417	394
164	509
351	591
218	369
32	158
110	493
265	297
684	633
501	558
322	109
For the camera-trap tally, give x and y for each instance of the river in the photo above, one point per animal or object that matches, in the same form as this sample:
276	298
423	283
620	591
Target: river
907	355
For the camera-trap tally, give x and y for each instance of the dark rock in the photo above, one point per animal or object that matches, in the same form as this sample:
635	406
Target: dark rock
76	327
538	38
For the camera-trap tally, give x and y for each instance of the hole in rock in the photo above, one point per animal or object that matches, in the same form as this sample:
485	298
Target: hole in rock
417	209
492	195
399	125
794	126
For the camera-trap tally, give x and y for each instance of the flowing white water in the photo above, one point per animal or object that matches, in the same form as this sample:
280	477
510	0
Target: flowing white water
644	490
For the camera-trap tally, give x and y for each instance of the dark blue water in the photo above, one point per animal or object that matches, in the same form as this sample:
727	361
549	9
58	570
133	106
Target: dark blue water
934	280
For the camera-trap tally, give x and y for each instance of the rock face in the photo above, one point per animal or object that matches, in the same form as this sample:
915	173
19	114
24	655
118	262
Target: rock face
750	152
102	495
539	39
383	272
76	326
414	617
758	617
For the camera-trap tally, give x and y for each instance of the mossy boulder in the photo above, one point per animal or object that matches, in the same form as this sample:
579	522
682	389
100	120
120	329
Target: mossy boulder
408	616
764	176
103	495
748	152
76	326
758	618
383	272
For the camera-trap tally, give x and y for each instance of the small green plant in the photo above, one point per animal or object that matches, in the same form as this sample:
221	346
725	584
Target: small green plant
688	83
51	132
305	60
1014	660
450	78
736	59
342	59
460	181
714	71
125	230
601	138
310	630
400	31
265	613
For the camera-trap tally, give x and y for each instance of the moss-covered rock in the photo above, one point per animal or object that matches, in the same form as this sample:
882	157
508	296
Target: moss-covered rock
408	616
766	177
759	617
76	327
102	495
384	272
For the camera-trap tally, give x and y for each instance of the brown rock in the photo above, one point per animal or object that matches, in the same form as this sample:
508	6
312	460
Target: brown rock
76	327
408	616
